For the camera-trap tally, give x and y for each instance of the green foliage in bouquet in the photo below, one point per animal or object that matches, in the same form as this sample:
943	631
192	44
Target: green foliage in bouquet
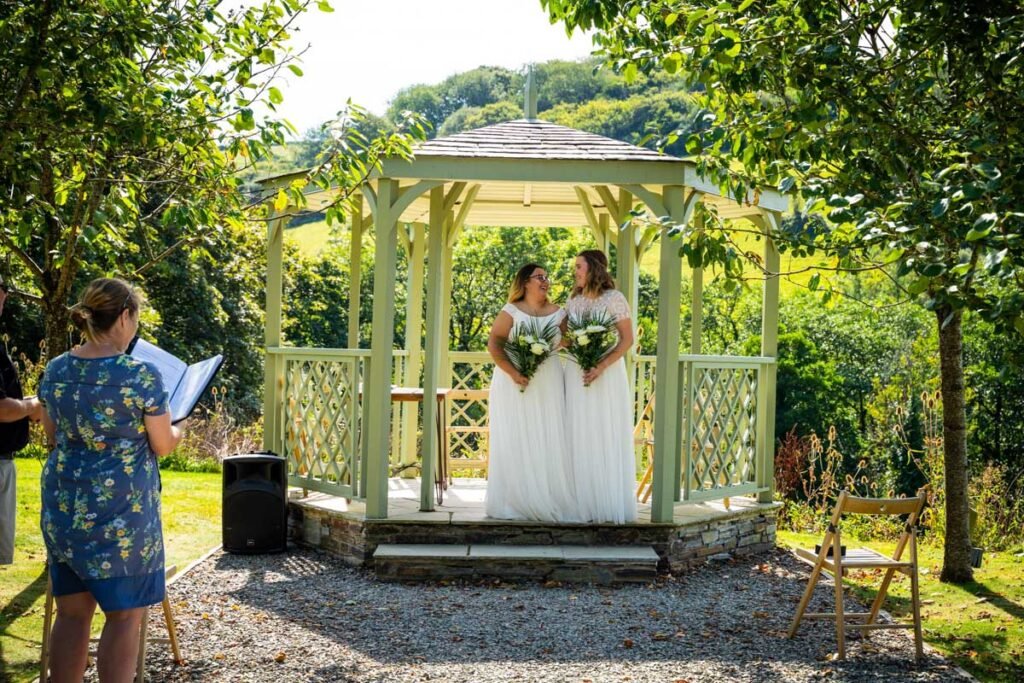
529	345
591	337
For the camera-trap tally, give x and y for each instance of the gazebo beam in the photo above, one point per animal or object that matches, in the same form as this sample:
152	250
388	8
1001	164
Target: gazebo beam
378	417
771	222
667	411
460	218
413	344
435	365
273	382
355	270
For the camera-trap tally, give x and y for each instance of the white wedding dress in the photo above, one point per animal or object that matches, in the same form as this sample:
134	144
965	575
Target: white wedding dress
600	428
529	475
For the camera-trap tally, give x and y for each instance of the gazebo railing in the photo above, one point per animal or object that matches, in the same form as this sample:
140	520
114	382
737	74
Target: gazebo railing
320	417
726	443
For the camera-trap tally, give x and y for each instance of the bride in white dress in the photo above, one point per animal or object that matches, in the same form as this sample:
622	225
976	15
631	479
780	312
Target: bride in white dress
598	413
529	476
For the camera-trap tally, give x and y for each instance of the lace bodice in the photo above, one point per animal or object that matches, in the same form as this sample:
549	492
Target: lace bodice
519	316
611	300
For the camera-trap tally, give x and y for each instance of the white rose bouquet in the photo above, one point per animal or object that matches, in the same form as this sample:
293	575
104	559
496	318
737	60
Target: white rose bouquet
529	345
591	337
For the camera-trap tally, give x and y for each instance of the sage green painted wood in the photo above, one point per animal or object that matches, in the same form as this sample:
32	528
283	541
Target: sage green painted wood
413	344
769	347
530	95
355	272
666	403
273	378
436	339
446	295
697	300
378	417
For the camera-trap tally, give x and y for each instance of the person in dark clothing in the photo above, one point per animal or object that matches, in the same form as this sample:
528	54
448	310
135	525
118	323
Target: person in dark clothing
15	412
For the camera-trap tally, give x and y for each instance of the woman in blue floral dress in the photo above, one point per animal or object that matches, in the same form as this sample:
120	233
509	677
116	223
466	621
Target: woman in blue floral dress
107	419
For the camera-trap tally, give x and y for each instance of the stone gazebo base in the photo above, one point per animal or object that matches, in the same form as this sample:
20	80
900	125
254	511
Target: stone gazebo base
459	540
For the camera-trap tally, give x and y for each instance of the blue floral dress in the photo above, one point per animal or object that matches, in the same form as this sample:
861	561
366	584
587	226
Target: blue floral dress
101	485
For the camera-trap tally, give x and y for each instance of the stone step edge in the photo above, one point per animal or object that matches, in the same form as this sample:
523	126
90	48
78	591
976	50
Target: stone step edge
523	553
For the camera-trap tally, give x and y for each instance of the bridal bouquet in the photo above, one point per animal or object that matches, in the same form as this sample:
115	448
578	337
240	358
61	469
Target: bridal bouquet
529	345
591	337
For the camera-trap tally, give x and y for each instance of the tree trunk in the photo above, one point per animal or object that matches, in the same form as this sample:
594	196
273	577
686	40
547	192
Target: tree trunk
956	562
57	321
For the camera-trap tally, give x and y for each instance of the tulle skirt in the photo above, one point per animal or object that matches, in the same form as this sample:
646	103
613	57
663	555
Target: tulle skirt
529	473
600	433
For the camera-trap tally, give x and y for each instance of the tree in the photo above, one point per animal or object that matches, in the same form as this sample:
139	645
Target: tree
898	122
122	120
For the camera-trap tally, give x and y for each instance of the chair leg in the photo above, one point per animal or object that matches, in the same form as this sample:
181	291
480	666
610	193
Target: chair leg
140	669
802	607
172	632
44	649
915	600
840	614
876	604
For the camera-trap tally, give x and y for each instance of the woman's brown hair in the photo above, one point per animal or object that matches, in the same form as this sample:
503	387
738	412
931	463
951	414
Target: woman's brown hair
517	292
598	278
102	303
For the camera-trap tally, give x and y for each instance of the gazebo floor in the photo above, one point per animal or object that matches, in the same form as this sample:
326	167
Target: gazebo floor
698	532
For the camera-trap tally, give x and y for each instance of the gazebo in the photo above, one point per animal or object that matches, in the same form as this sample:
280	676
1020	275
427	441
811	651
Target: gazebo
330	411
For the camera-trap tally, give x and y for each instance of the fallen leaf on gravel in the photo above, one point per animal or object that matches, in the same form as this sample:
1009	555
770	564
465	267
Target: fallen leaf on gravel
552	584
456	639
660	636
280	657
627	643
219	655
758	614
680	680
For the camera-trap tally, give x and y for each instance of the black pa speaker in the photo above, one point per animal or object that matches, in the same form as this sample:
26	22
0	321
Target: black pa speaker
255	503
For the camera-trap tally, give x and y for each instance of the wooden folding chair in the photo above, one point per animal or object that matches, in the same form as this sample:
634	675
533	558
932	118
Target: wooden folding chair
144	639
830	558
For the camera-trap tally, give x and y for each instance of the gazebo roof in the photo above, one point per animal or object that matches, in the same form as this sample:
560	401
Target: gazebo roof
535	139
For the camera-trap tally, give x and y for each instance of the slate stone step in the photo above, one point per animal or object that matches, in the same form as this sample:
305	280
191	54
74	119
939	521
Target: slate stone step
601	564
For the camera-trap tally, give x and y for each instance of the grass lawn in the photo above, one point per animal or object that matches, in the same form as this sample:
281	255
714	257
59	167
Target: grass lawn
980	626
312	238
191	516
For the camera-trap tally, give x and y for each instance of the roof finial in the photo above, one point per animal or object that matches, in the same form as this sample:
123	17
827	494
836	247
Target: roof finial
530	103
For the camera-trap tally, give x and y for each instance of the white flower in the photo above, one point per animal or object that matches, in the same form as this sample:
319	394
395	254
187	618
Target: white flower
538	349
595	328
582	340
108	482
530	339
105	565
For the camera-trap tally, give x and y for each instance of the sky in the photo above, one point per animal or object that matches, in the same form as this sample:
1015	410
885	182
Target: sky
368	50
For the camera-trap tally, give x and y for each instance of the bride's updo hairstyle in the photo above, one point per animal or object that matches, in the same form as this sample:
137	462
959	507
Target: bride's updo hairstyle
517	292
598	278
102	303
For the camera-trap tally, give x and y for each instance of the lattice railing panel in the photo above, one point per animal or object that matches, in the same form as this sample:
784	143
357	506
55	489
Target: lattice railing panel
467	420
722	421
321	405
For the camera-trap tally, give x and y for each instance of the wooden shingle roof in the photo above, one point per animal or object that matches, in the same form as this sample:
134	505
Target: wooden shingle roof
535	139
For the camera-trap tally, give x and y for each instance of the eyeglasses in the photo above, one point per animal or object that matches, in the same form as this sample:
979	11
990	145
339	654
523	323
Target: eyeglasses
541	277
128	298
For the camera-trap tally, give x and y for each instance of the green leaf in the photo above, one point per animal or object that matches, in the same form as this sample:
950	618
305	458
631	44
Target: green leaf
940	207
814	282
294	68
324	6
744	5
275	95
630	72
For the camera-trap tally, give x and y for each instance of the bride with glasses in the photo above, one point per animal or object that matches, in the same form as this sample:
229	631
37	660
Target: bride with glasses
529	474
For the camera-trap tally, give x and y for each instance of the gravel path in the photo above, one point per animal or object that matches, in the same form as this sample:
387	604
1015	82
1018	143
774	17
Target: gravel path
303	616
